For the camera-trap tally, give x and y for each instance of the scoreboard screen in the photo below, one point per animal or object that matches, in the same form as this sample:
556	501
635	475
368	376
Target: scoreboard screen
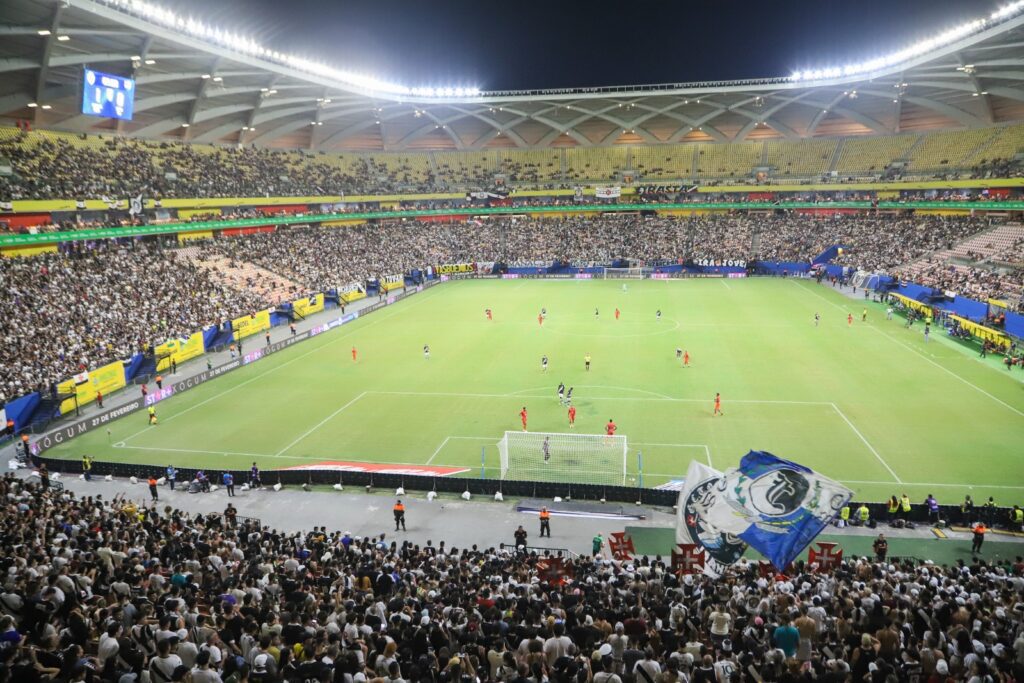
107	95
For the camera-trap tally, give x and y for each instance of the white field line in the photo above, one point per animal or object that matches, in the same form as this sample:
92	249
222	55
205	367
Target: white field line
867	443
597	398
921	355
707	450
320	424
725	283
188	450
438	450
273	369
958	485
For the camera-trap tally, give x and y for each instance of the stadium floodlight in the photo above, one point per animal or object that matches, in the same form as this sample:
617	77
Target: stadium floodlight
238	43
914	50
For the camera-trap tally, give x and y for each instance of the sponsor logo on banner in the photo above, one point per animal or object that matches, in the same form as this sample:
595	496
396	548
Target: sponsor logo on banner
453	268
510	276
159	395
720	262
252	356
608	192
736	275
389	282
663	189
445	278
661	276
487	194
584	276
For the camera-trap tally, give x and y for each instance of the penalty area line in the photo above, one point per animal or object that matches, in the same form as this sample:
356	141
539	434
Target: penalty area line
707	450
867	443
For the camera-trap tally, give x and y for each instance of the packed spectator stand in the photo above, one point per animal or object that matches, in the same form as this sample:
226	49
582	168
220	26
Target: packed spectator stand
178	291
109	590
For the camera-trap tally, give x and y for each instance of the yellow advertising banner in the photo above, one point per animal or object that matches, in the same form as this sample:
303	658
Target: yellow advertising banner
313	304
198	235
21	252
351	292
390	282
251	324
178	350
924	309
984	333
106	379
185	214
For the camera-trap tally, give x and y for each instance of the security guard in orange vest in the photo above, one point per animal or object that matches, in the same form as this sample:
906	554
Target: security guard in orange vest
159	381
24	445
545	522
399	511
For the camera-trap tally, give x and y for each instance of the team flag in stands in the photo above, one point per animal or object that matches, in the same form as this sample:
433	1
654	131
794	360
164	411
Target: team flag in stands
828	556
135	206
688	558
776	506
554	571
700	495
621	546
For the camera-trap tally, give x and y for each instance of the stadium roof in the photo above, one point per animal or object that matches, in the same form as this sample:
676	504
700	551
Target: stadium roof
198	84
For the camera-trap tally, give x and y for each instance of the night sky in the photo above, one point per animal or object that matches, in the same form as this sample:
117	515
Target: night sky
563	43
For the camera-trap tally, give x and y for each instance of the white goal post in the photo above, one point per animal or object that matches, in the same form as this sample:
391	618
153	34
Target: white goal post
573	458
626	273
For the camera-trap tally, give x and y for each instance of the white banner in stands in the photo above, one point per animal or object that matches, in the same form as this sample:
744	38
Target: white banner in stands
608	192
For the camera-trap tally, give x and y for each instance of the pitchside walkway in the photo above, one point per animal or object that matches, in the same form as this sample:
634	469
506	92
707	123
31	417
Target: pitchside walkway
486	523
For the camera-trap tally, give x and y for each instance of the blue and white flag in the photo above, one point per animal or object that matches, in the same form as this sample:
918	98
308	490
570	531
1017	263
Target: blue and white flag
701	496
776	506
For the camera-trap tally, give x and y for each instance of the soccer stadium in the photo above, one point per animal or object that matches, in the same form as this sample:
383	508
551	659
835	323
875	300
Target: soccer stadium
317	370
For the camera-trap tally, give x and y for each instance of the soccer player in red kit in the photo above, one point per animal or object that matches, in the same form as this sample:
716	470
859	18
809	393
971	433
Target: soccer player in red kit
609	429
686	359
849	319
616	314
522	416
572	416
354	354
488	312
540	319
718	405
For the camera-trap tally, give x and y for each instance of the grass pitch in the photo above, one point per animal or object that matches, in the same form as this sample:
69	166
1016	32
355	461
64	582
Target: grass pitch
870	404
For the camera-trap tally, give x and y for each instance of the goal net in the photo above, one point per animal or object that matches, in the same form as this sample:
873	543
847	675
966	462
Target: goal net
577	458
626	273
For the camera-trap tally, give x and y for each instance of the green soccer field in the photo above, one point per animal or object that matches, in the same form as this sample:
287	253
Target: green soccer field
870	404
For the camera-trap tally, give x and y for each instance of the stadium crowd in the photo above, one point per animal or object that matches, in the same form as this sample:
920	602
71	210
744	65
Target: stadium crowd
99	303
875	243
108	590
121	167
172	294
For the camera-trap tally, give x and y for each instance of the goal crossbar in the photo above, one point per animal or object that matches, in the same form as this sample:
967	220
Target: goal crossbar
637	273
563	457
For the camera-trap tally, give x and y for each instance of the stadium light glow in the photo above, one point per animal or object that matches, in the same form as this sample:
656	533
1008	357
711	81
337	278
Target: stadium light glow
191	26
910	52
